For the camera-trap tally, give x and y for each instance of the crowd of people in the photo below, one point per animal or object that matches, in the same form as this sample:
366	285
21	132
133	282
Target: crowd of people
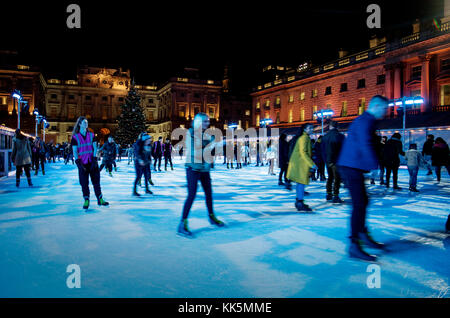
348	161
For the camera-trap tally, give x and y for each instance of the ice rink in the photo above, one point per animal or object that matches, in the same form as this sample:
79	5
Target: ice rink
267	249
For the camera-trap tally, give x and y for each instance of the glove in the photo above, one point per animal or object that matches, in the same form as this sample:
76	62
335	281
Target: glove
80	165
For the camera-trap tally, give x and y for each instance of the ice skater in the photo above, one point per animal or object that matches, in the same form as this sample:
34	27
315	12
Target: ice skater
358	156
84	147
109	155
300	165
167	150
21	156
142	162
198	168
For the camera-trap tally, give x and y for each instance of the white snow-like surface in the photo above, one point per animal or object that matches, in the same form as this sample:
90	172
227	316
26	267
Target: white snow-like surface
268	249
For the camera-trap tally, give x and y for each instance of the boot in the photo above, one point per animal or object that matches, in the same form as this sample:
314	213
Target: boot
355	250
183	229
29	182
372	181
214	221
337	199
367	239
329	197
150	181
102	202
301	206
110	174
413	189
36	172
429	173
147	190
86	204
288	186
17	182
396	187
43	172
115	169
382	182
228	166
135	193
280	183
447	224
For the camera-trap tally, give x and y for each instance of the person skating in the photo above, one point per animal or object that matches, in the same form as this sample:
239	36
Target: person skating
357	157
109	155
158	152
39	154
440	157
319	159
427	151
142	162
380	159
21	156
392	150
283	159
300	165
167	150
413	160
84	147
331	145
198	168
271	157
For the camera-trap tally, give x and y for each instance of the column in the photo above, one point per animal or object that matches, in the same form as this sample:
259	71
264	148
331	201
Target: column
425	82
398	82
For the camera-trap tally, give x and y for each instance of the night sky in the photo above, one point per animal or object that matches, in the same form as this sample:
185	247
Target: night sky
157	39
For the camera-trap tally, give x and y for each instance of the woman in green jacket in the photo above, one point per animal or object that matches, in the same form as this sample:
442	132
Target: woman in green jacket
300	163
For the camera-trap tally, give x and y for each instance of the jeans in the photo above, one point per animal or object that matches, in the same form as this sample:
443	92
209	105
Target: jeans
168	159
394	170
354	179
142	170
428	160
437	169
333	176
192	182
413	171
157	159
283	171
84	172
19	173
300	189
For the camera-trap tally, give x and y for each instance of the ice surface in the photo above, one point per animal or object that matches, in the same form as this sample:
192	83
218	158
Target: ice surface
268	249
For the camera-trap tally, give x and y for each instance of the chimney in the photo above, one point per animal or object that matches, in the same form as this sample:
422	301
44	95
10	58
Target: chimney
342	53
446	17
416	26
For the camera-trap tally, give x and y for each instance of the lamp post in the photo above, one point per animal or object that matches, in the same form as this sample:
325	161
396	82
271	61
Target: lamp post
264	122
38	120
404	102
17	95
323	113
45	126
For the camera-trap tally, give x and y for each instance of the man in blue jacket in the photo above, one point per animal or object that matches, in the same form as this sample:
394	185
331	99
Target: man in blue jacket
357	157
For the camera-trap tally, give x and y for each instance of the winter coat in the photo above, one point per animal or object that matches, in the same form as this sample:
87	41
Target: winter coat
141	154
414	158
109	152
21	152
439	156
318	153
157	148
427	149
332	144
199	144
167	149
392	150
300	161
358	149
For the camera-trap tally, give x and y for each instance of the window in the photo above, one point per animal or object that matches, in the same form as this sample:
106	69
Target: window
328	90
290	119
258	105
314	93
2	100
150	100
197	95
53	96
278	117
291	98
88	80
71	97
257	120
416	72
381	79
211	112
302	115
104	98
105	82
181	111
247	112
361	105
120	99
361	83
302	96
445	94
445	65
196	110
277	100
267	102
344	109
88	97
267	115
343	87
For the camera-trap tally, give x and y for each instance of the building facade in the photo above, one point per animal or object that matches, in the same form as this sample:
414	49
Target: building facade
416	65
